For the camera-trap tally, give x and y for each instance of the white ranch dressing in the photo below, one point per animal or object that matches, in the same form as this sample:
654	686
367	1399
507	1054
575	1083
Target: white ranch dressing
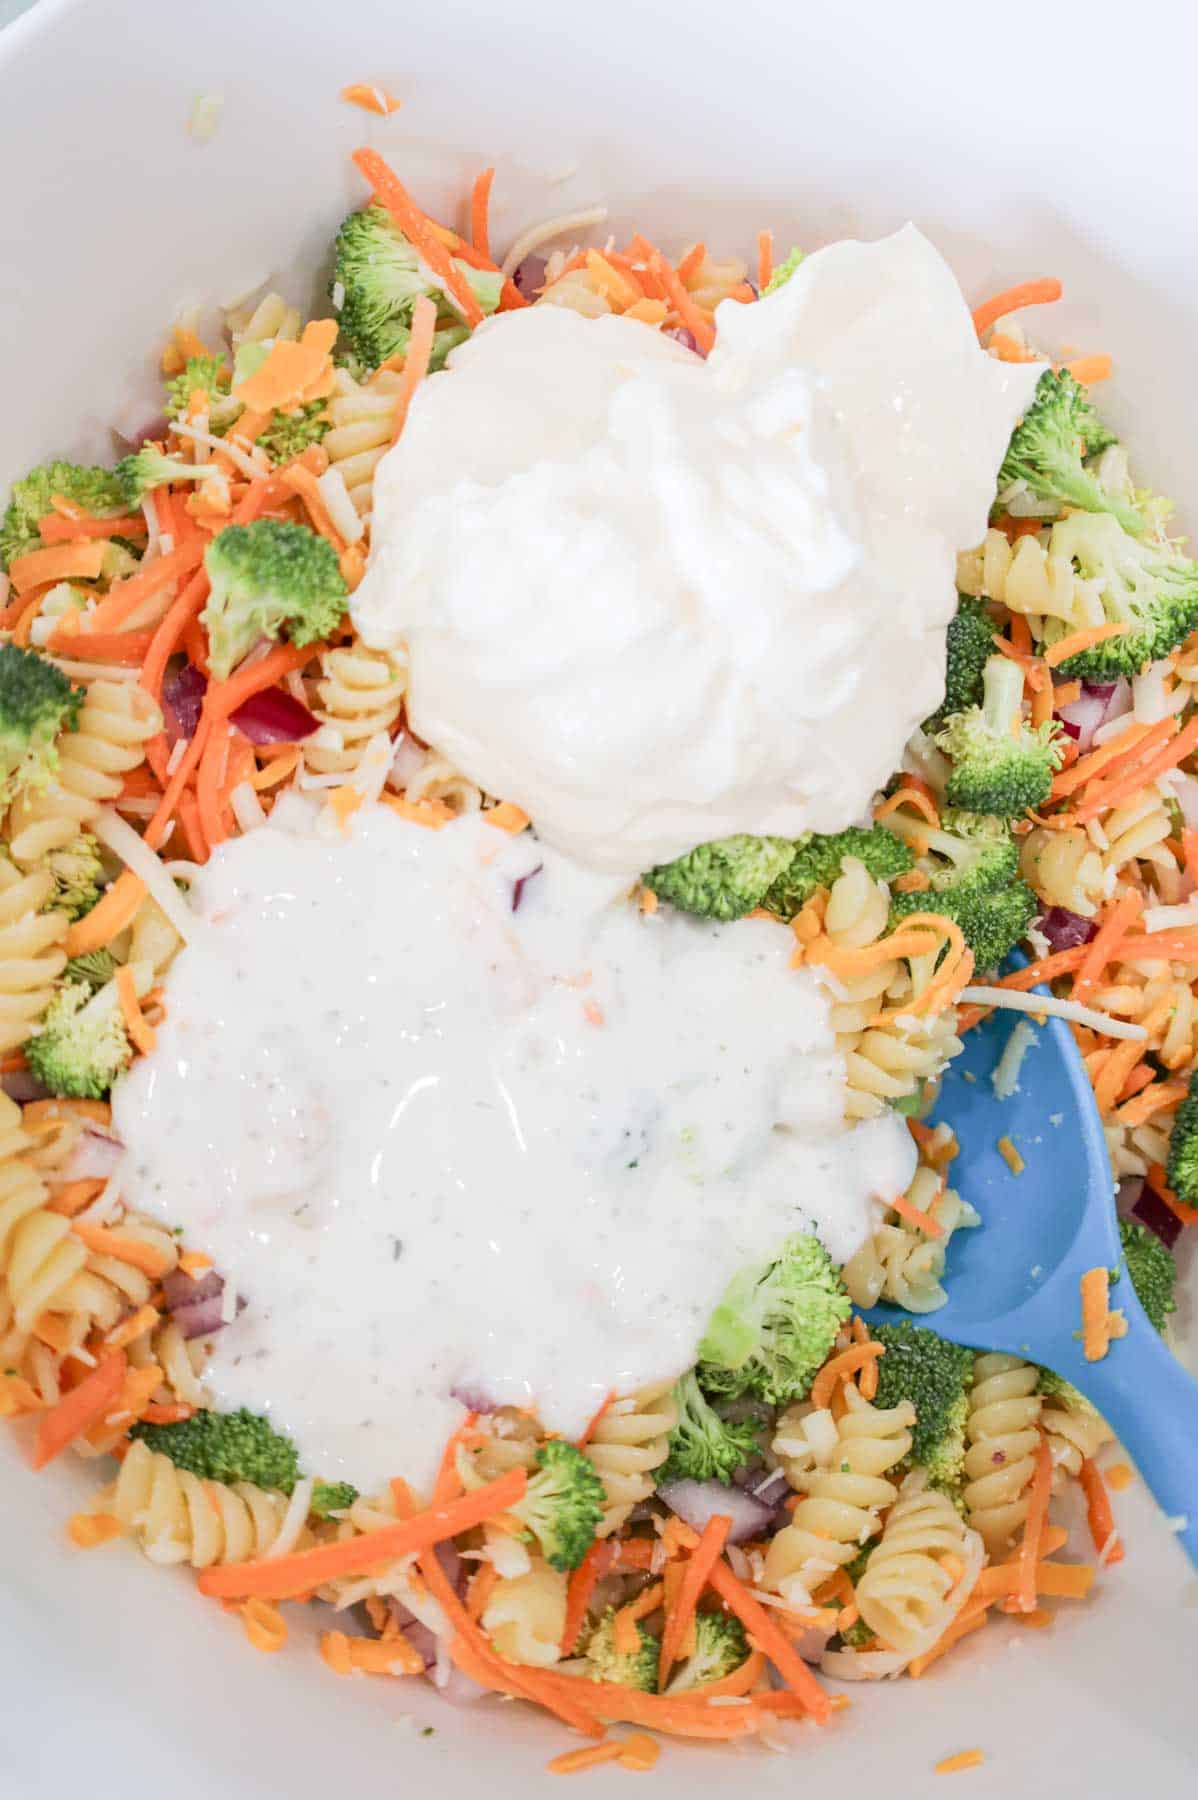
655	600
443	1145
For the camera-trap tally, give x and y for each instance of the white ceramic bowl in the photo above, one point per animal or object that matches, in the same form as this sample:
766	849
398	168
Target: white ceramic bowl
1057	139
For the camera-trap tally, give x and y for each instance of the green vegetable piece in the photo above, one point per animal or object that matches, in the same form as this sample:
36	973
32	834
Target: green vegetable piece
720	1647
1149	587
775	1325
226	1447
817	862
605	1663
972	862
1001	765
1182	1168
1049	445
95	490
934	1376
37	702
563	1503
969	645
82	1045
265	578
721	880
704	1447
783	272
1152	1269
378	276
148	468
330	1497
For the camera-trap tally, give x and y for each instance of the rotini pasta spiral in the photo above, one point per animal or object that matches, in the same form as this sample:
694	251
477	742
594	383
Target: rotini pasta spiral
22	1197
1003	1429
43	1259
31	953
576	291
1064	868
358	694
437	779
1030	579
897	1262
363	423
630	1440
115	722
1138	829
1073	1433
905	1585
526	1615
844	1495
177	1518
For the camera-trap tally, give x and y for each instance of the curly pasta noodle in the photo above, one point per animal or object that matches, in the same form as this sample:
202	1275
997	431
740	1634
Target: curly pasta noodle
271	318
525	1615
177	1518
115	722
437	779
359	693
1064	868
363	418
1139	830
714	279
629	1441
898	1262
1072	1436
906	1585
843	1496
1029	579
1003	1431
31	953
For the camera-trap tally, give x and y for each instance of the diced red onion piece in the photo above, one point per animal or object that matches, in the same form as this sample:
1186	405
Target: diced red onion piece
274	717
22	1086
1081	719
1160	1219
1064	929
203	1318
181	1289
686	338
94	1157
475	1399
696	1502
1102	690
519	885
528	276
1185	791
182	699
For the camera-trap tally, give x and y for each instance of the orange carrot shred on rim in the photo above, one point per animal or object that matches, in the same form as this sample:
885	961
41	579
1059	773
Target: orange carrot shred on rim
1156	1097
680	1614
839	1368
89	1530
420	347
1088	369
964	1759
1095	1288
371	98
1024	293
71	1416
573	1762
765	259
141	1035
135	1325
765	1635
1077	641
415	226
1099	1515
282	1577
480	201
1039	1491
583	1582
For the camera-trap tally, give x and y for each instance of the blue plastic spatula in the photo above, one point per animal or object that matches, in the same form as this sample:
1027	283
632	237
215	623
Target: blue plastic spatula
1012	1282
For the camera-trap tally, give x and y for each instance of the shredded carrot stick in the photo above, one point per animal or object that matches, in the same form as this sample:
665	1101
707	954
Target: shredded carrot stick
622	290
1077	641
583	1582
1122	1058
1099	1516
1095	1295
104	1241
840	1368
691	315
62	528
1039	1491
282	1577
765	1636
420	347
1100	950
71	1416
210	779
1156	1097
415	226
1104	795
923	1221
126	596
964	1759
73	1196
303	482
479	1592
1059	1581
1134	736
1034	671
765	259
507	816
141	1035
1088	369
113	912
1024	293
134	1326
480	200
679	1616
965	1623
59	562
370	98
910	795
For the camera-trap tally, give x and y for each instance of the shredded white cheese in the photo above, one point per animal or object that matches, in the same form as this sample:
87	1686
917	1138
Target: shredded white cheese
1052	1008
123	841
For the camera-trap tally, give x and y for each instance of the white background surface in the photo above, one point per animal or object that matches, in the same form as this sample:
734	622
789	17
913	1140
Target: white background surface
1060	140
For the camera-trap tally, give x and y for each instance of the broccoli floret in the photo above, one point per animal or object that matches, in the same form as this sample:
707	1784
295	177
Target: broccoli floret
82	1045
934	1376
331	1497
969	645
1152	1269
96	490
605	1663
775	1325
994	771
817	860
724	879
211	373
289	434
562	1504
377	278
720	1647
36	703
703	1446
783	272
77	876
266	576
236	1446
973	866
1182	1168
96	967
1049	444
149	468
1150	587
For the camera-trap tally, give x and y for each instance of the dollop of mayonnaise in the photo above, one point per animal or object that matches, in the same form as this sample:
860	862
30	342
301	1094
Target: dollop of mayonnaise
656	600
457	1121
